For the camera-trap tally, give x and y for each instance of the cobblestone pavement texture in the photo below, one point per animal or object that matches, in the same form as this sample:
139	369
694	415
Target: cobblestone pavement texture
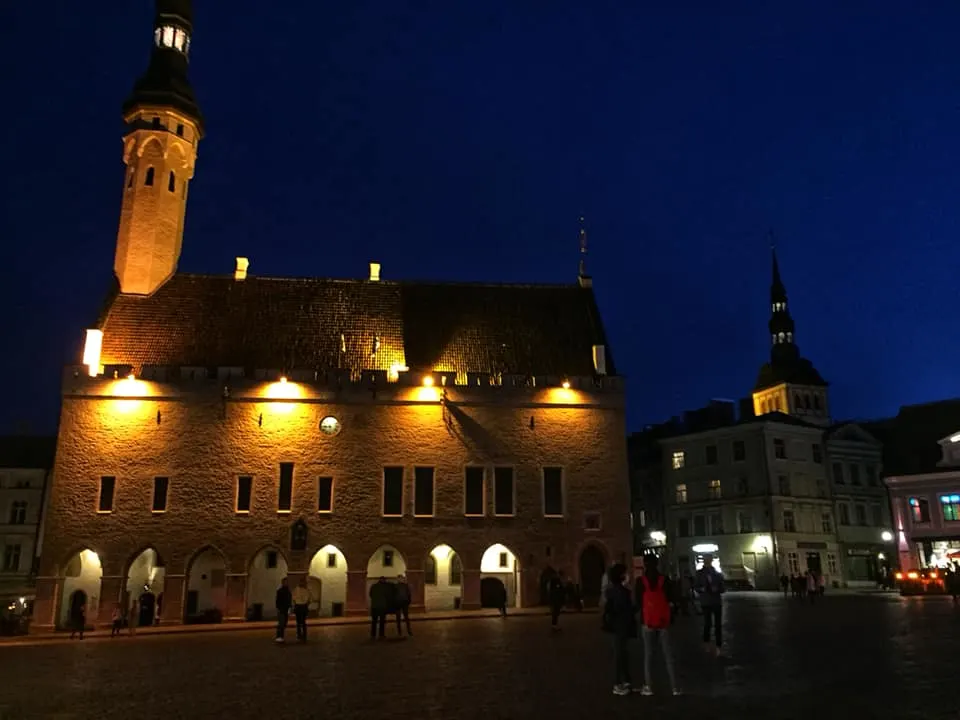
862	656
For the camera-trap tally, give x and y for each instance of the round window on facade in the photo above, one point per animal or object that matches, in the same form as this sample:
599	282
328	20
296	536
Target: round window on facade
330	425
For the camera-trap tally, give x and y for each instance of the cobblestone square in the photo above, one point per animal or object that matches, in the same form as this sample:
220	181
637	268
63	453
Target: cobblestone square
863	655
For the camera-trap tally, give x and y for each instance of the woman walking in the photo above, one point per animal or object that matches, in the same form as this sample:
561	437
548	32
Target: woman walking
620	621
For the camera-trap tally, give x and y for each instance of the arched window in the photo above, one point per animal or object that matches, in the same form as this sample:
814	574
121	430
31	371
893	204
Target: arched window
130	178
780	337
172	182
148	180
789	337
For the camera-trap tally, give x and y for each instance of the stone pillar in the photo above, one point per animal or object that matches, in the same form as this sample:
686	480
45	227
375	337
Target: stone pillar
49	590
469	589
357	598
111	588
235	601
417	590
174	591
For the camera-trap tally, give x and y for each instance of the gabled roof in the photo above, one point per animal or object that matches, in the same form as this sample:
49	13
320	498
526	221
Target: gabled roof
27	451
911	439
851	432
308	323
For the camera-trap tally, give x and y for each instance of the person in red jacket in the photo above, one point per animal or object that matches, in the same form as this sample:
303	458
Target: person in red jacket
655	593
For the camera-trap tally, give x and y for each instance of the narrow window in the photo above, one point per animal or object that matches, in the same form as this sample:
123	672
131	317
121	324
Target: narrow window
712	455
325	494
789	523
715	490
473	492
285	490
18	513
861	511
148	180
160	485
503	491
331	560
11	558
716	524
779	449
430	571
745	521
739	451
699	525
920	510
681	493
784	482
683	527
827	525
593	520
838	473
156	123
950	504
388	558
393	491
271	559
552	492
172	182
130	178
504	560
456	569
107	485
423	492
844	514
678	459
244	488
854	474
817	453
180	129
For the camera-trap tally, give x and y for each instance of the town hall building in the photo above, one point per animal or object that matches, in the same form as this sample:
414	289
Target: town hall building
221	432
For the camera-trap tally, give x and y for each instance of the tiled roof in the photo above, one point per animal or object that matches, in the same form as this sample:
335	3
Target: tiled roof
294	323
27	451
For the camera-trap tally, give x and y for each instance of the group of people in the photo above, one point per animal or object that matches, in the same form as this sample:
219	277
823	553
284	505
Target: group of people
809	585
389	598
299	601
656	599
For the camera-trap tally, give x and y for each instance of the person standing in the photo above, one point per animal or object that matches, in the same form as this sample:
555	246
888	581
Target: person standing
785	584
710	588
811	585
78	619
283	602
402	604
301	606
620	621
116	620
379	602
556	593
655	593
133	616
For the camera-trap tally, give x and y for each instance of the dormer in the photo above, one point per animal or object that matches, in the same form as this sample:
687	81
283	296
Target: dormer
950	447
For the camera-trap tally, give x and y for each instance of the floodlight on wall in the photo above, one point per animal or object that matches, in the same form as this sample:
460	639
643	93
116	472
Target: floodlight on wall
565	384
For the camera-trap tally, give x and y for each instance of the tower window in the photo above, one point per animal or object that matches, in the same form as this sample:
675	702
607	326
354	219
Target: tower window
130	179
180	129
781	337
172	182
148	180
169	36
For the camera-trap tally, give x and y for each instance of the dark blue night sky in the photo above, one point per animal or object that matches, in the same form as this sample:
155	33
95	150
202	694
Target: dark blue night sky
461	141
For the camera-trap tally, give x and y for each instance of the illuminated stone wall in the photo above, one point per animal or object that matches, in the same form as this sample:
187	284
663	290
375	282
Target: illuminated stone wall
203	443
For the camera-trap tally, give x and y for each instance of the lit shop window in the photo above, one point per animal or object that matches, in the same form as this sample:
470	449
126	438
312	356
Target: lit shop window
951	507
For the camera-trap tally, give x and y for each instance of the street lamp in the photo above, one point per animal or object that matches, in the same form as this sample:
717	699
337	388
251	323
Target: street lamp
886	536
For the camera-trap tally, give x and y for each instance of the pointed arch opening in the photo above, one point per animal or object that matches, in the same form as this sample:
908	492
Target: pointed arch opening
386	562
442	579
81	587
206	597
144	586
268	567
592	565
499	577
327	582
148	177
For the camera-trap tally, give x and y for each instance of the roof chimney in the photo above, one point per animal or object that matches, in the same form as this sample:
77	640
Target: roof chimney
241	272
600	359
374	272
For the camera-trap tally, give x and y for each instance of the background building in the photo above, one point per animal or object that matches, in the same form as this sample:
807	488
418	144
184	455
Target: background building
225	431
862	506
25	464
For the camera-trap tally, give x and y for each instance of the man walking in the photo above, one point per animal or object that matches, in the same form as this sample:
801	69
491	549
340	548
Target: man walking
379	602
556	593
710	588
301	606
402	606
283	602
655	592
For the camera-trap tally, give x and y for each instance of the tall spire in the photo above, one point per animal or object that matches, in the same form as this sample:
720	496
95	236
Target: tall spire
582	277
783	344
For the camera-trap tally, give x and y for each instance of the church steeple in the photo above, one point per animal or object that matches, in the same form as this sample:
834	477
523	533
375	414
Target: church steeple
164	126
789	383
783	346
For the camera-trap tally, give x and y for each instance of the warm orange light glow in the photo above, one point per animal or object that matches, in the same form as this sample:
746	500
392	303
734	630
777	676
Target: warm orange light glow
565	384
899	576
427	394
912	575
393	374
283	379
562	396
283	390
428	380
91	351
933	575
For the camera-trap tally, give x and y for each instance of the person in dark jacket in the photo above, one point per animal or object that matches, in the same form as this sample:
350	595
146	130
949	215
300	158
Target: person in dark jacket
620	621
556	591
711	588
283	603
402	604
379	605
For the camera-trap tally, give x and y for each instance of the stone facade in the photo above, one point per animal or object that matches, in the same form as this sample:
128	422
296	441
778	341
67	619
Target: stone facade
202	440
